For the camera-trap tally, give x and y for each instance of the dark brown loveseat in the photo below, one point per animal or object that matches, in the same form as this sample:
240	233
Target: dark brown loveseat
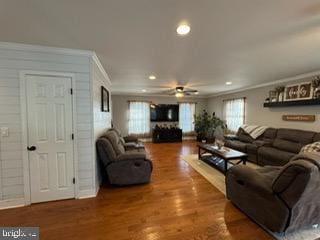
281	199
275	147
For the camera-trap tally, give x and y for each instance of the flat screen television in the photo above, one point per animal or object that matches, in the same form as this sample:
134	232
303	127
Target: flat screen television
164	113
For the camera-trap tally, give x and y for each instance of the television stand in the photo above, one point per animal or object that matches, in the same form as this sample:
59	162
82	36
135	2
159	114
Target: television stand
161	135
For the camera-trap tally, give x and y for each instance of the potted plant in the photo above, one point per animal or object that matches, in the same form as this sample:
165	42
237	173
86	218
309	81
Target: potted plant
205	126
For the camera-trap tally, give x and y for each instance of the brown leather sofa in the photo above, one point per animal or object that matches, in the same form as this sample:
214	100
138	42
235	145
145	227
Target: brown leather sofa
281	199
275	147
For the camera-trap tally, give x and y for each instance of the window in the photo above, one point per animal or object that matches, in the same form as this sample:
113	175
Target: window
139	118
186	117
234	113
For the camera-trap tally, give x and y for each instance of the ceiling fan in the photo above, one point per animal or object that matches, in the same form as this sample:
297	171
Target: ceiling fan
181	91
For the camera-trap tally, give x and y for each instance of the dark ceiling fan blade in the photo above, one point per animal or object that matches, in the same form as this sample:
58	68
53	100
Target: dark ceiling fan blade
190	91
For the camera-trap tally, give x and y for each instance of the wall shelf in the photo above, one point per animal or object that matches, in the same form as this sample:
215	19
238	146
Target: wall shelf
308	102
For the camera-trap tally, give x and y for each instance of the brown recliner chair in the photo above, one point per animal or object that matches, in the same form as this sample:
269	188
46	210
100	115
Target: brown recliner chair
123	166
281	199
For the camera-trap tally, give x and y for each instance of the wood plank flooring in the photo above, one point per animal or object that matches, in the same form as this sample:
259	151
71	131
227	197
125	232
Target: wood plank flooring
178	204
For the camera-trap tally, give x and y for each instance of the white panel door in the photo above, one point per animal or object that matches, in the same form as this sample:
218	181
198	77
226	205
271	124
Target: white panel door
50	144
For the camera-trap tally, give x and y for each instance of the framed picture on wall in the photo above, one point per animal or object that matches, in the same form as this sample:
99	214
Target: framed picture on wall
104	100
291	92
305	91
301	91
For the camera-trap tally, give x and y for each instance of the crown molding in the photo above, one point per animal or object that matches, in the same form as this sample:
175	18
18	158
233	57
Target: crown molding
284	80
41	48
101	68
116	93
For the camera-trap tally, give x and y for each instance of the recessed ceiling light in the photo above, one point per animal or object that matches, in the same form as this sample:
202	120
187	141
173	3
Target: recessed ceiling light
183	29
228	83
143	90
152	77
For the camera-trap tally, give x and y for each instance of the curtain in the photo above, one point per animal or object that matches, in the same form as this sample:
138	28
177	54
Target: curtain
139	118
234	113
186	117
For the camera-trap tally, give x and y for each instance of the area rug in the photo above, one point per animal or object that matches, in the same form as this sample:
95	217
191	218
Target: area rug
217	179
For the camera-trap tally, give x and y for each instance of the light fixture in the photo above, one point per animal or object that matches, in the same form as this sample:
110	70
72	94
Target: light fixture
183	29
179	89
143	90
228	83
196	93
152	77
179	94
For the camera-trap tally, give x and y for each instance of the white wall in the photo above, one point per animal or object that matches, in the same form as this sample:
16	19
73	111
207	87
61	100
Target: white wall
121	106
101	120
17	57
258	115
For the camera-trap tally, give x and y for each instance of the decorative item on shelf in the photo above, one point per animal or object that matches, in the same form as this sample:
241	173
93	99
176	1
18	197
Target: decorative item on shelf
301	91
280	93
316	87
305	91
273	96
205	126
299	118
267	100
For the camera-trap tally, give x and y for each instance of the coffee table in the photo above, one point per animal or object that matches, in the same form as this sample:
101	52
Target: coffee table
220	158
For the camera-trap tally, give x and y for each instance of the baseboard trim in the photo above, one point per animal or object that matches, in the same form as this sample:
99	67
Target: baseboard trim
91	193
12	203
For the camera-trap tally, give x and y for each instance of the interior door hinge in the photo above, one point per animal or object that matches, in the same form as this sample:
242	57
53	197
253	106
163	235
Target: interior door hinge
71	91
72	136
74	180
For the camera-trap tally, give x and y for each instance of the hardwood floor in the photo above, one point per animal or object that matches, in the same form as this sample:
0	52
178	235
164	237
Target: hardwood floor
178	204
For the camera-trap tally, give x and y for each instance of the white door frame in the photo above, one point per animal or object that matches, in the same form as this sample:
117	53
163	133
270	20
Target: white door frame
25	155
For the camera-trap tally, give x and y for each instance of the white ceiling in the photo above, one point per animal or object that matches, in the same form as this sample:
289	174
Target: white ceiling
248	42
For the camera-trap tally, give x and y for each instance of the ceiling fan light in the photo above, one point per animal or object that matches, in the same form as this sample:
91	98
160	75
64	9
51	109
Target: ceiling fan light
179	94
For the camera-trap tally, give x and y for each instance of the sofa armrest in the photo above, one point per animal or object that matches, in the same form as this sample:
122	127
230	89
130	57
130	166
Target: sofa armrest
128	139
250	178
231	137
133	145
261	143
131	156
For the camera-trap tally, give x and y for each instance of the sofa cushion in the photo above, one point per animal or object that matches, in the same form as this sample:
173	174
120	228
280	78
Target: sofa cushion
115	141
292	140
270	133
316	138
273	156
288	146
294	135
237	145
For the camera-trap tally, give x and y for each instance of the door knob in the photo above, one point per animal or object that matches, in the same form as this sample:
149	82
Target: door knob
32	148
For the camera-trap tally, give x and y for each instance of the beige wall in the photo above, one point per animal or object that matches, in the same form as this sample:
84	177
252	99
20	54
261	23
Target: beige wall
258	115
120	107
